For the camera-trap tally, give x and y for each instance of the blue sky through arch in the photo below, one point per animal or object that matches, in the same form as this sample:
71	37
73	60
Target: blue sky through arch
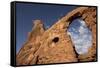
81	36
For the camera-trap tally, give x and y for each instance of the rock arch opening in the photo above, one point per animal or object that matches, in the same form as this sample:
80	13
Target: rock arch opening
81	36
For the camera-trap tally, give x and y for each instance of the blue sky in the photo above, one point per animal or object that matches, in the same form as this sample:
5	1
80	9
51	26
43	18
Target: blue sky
81	36
49	14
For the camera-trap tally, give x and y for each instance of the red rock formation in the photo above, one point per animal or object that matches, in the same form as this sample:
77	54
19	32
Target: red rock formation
28	50
54	45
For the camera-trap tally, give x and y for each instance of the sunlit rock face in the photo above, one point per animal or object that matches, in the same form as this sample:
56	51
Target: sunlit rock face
55	45
81	36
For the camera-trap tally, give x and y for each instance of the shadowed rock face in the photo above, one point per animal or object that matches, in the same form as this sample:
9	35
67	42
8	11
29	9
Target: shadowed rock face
54	45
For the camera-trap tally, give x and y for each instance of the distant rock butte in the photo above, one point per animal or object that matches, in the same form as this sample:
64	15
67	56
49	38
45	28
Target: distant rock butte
54	45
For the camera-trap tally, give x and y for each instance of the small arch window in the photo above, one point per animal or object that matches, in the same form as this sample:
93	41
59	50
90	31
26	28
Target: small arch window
81	36
55	40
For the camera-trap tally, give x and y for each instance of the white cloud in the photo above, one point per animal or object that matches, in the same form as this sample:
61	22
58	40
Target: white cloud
82	22
81	30
74	30
82	40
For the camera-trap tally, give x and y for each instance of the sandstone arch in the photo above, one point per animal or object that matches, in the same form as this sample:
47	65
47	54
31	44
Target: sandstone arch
89	16
44	51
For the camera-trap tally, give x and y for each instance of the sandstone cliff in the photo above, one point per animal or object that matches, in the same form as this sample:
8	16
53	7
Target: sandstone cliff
54	45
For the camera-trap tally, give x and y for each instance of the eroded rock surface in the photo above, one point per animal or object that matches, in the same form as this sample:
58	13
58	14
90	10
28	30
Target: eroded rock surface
54	45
